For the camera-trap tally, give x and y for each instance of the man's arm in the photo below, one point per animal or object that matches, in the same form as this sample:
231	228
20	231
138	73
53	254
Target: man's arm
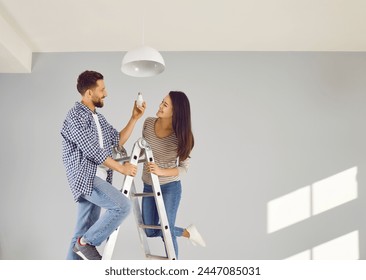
125	168
125	133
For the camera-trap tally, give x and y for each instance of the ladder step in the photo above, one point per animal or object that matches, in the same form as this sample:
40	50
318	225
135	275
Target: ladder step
148	256
150	226
125	159
142	194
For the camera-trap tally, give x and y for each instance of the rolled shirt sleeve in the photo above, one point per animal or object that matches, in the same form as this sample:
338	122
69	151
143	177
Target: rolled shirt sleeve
183	167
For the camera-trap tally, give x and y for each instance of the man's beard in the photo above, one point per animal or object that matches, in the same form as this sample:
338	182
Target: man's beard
99	103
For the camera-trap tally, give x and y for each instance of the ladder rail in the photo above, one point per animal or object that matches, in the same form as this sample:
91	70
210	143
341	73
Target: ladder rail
127	184
110	244
138	219
164	222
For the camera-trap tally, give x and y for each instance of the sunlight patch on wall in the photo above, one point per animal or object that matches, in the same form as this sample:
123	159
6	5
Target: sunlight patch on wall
305	202
345	247
334	191
305	255
341	248
288	209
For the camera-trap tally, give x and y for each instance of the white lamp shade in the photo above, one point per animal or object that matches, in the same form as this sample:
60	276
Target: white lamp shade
143	62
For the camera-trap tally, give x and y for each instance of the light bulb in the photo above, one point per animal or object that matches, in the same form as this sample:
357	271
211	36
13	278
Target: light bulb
139	100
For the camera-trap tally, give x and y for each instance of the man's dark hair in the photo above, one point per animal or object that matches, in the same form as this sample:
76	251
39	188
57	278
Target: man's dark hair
88	80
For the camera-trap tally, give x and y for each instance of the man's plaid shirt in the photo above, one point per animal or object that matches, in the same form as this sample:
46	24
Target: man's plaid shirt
81	152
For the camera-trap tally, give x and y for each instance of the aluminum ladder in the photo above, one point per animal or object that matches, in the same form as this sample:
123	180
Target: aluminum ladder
129	190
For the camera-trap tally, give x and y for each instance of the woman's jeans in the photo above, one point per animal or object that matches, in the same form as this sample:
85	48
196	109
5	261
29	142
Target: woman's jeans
171	196
93	227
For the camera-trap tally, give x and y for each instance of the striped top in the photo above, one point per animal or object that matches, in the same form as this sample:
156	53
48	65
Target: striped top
165	153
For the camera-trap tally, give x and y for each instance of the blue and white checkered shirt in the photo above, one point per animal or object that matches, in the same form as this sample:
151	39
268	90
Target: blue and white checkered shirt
81	152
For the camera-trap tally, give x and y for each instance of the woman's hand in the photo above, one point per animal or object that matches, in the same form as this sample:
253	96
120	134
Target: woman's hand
154	169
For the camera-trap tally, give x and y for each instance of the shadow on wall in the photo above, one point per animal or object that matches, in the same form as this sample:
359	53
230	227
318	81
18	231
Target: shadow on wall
326	210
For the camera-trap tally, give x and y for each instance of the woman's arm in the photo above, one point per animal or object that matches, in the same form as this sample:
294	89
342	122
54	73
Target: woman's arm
152	167
182	168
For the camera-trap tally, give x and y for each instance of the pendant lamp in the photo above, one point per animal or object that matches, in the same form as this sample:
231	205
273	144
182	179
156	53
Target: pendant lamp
143	61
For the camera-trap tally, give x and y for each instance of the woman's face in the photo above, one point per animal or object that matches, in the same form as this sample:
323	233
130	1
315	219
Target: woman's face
165	108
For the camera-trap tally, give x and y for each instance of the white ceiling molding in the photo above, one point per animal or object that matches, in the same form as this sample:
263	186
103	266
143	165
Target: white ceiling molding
15	55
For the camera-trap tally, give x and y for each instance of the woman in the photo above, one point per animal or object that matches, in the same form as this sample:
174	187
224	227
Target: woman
171	140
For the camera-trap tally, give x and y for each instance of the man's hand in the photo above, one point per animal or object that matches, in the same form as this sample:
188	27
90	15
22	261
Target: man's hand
129	169
138	111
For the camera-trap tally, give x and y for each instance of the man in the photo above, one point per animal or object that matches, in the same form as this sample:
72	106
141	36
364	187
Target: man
87	142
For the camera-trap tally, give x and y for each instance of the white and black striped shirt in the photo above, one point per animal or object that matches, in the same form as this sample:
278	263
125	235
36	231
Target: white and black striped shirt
164	151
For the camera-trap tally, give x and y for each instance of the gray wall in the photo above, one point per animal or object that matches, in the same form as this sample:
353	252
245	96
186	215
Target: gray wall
266	124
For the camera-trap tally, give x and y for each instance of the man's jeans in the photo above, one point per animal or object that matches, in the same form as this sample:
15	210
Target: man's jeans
95	228
172	193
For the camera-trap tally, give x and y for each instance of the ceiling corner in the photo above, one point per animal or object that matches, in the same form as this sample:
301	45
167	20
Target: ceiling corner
15	54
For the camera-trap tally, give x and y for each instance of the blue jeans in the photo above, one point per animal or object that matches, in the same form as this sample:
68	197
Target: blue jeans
93	227
172	193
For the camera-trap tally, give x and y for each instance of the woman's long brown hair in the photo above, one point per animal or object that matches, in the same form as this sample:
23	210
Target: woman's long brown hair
182	125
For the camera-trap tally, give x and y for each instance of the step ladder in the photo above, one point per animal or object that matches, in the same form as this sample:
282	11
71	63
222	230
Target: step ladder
129	190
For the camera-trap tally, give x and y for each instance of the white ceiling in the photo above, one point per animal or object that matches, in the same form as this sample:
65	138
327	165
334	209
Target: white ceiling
28	26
